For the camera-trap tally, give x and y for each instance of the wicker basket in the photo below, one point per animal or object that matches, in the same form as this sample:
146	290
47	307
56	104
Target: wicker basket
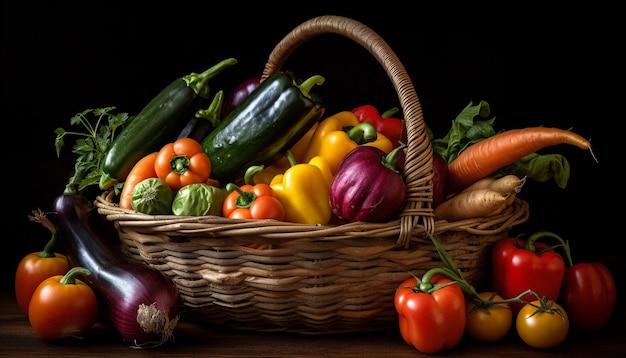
313	279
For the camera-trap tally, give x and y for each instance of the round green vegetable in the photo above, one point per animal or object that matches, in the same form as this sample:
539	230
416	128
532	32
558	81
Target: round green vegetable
152	196
199	199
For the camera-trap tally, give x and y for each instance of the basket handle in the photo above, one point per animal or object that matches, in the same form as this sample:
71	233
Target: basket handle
418	170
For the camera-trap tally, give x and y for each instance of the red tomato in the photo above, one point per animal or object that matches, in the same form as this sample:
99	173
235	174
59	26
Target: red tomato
32	270
431	321
588	294
488	321
63	306
542	324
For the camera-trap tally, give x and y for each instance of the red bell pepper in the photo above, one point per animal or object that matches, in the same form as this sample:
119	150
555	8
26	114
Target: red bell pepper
431	312
390	127
518	266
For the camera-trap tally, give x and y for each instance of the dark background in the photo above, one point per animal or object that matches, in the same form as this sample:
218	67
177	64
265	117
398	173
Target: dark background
534	66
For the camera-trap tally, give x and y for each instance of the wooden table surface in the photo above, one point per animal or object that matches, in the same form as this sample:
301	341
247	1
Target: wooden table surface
17	339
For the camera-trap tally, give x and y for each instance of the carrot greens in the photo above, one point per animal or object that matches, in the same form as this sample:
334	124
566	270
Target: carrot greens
472	126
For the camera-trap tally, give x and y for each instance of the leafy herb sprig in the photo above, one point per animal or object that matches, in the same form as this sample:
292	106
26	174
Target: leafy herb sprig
100	125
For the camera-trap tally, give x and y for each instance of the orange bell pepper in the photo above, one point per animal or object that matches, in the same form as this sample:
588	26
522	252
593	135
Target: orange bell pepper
182	162
252	202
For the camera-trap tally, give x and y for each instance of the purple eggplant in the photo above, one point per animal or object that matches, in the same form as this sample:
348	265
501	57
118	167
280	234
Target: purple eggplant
368	186
239	93
141	302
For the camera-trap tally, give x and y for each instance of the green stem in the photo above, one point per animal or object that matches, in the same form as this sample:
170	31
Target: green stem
47	251
362	133
389	113
530	244
481	303
292	160
391	160
245	198
70	276
306	86
199	82
253	170
212	113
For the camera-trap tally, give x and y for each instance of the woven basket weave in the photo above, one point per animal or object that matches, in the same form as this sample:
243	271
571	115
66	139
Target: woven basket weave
313	279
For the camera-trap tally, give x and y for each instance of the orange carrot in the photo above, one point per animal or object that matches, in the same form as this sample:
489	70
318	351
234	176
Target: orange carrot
487	156
143	169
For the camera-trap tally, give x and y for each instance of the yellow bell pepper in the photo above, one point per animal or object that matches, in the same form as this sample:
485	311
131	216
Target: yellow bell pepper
303	189
281	165
338	134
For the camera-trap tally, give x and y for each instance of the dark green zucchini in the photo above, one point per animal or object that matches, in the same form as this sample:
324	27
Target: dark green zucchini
204	120
158	122
271	119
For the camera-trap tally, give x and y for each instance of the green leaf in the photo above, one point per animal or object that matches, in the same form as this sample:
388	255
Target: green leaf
541	168
469	127
94	141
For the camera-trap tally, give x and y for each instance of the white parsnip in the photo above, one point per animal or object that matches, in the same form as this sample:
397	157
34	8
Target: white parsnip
481	202
480	184
508	184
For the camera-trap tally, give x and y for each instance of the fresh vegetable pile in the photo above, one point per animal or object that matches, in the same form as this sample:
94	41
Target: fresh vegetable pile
269	152
529	295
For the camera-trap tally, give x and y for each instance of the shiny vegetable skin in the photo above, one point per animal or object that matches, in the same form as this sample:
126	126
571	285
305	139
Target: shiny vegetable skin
32	270
63	306
519	265
431	321
252	202
270	120
38	266
238	94
392	128
204	120
181	163
588	294
368	185
487	156
142	170
122	285
488	319
542	324
158	122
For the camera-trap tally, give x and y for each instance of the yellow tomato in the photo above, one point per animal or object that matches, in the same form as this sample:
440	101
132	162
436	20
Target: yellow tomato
542	324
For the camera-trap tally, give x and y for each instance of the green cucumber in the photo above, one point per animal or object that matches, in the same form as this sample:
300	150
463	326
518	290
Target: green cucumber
157	123
270	120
